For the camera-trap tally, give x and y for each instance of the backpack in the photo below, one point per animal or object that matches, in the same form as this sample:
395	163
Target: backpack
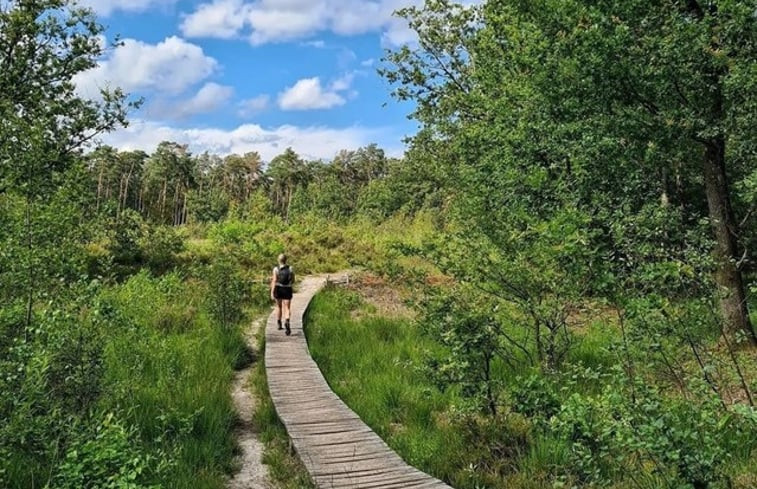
284	276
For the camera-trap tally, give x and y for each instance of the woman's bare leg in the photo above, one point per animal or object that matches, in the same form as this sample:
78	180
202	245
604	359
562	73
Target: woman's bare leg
278	311
287	312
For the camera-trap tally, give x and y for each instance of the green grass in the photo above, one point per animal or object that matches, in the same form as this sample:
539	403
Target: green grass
168	375
374	365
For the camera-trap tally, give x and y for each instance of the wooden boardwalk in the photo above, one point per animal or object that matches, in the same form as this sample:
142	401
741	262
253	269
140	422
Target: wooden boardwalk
337	448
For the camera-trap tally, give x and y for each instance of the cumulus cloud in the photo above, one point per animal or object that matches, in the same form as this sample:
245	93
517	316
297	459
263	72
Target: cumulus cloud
310	142
308	94
207	99
170	66
106	7
267	21
253	105
221	19
343	83
398	33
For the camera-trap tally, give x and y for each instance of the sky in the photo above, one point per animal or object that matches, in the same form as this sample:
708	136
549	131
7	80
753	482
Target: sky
232	76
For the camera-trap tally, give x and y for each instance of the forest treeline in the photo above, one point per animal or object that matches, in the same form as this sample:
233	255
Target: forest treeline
172	186
575	220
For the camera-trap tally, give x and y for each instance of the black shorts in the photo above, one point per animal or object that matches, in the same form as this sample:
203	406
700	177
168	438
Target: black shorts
283	293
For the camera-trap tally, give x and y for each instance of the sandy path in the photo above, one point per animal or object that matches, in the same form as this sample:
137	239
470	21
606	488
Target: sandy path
253	474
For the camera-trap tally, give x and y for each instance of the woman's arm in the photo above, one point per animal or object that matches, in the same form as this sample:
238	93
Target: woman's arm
273	283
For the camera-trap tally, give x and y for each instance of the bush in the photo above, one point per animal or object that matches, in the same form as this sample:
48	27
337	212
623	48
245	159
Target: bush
104	459
160	245
128	232
226	291
535	397
688	444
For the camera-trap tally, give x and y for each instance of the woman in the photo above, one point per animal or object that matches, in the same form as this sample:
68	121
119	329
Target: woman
281	291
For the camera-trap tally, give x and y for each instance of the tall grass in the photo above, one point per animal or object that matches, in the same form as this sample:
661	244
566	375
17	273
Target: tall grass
539	438
168	372
375	365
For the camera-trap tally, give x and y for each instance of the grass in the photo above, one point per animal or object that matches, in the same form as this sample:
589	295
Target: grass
374	365
167	375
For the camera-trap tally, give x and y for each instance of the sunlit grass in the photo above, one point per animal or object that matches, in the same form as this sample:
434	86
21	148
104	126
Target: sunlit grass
375	365
171	381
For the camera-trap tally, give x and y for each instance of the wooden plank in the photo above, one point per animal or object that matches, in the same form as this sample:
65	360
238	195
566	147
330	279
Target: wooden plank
337	448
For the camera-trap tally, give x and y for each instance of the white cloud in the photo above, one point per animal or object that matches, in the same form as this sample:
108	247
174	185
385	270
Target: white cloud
253	105
342	83
308	94
106	7
368	62
398	33
221	18
272	22
310	142
170	66
318	43
209	98
267	21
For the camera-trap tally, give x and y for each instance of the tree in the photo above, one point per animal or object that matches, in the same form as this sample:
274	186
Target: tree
44	124
285	172
131	165
360	167
607	107
43	46
241	175
169	174
685	74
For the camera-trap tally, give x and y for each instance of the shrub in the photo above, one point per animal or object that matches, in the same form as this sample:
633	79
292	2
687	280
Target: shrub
128	231
226	291
535	397
160	245
104	458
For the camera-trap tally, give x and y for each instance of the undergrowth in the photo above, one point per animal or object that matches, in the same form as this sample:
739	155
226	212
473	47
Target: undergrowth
585	425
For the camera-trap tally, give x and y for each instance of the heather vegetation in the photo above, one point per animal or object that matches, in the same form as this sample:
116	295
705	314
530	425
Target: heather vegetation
572	230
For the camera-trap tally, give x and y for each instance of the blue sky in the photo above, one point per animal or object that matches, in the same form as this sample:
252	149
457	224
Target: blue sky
254	75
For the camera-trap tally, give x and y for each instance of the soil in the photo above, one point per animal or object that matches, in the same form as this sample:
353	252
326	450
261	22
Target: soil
252	473
387	299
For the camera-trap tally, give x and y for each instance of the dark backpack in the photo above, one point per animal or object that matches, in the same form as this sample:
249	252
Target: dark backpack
284	275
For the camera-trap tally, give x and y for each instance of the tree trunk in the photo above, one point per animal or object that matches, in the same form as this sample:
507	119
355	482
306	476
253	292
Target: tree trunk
121	185
289	203
680	196
733	303
163	193
176	205
665	185
99	188
126	186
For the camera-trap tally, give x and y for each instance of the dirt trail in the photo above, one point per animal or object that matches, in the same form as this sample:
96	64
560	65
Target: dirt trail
253	474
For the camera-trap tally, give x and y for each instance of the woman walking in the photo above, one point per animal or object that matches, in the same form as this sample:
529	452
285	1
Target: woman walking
281	291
